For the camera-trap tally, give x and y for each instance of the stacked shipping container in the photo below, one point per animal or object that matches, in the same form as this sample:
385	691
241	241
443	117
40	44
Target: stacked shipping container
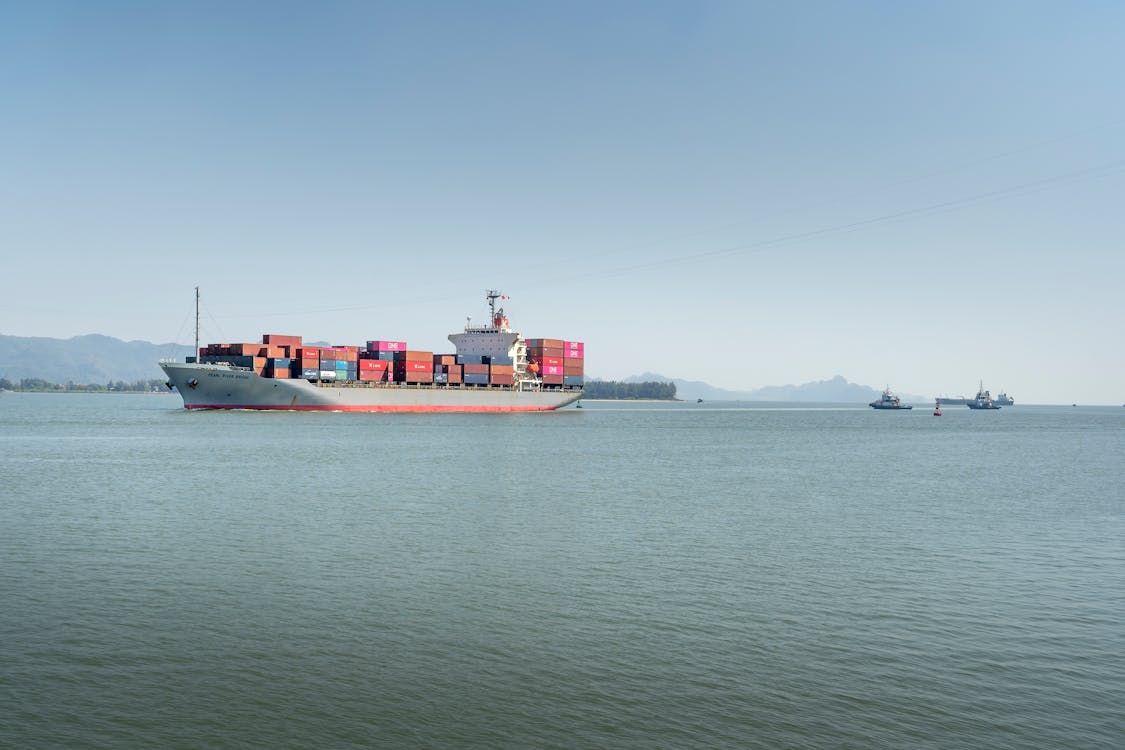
558	362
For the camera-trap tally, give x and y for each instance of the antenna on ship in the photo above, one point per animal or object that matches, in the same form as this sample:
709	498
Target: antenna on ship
197	322
492	295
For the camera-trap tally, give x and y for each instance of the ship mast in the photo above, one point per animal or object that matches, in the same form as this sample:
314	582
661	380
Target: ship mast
197	322
492	295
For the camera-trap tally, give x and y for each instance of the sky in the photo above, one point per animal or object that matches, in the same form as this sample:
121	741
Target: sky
922	195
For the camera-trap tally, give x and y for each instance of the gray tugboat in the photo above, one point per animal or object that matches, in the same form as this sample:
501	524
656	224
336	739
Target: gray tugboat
889	401
983	400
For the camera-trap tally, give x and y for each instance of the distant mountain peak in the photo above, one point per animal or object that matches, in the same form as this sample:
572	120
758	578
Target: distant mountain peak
836	389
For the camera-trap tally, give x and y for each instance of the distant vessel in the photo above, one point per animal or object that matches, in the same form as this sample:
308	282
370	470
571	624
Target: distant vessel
889	401
983	400
937	408
1002	399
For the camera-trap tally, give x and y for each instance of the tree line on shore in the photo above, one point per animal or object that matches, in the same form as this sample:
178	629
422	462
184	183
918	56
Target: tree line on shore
612	389
38	385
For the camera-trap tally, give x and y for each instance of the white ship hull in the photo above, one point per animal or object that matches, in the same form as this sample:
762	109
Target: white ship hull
216	386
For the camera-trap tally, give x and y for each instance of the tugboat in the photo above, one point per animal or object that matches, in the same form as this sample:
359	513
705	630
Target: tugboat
889	401
983	400
1004	399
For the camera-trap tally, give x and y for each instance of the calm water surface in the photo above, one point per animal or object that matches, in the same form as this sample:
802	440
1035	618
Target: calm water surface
620	576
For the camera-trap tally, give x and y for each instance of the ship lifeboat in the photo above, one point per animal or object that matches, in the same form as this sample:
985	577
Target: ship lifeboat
533	367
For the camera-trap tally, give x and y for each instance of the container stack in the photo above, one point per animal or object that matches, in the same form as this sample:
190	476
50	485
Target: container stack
574	358
558	363
547	355
446	369
413	367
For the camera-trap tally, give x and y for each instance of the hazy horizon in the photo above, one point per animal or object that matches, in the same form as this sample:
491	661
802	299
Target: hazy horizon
743	194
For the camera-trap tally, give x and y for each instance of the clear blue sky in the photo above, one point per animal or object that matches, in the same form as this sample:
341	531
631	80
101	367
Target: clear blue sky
919	194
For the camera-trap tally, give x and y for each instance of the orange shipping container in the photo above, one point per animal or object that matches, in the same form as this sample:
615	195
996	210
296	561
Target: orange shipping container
414	377
415	356
276	340
573	369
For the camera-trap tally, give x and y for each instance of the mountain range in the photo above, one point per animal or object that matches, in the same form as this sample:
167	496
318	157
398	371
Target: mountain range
86	359
96	358
833	390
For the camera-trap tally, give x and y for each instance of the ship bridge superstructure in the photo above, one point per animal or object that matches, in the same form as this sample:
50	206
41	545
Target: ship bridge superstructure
496	341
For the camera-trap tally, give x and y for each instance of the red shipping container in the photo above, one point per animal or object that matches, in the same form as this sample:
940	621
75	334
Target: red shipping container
413	366
500	379
546	370
453	376
445	359
547	360
573	369
373	365
376	376
545	343
552	379
472	369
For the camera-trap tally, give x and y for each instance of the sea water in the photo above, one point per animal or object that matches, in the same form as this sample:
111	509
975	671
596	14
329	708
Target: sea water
617	576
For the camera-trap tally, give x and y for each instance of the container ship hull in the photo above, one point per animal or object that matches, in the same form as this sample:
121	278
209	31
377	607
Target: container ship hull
217	386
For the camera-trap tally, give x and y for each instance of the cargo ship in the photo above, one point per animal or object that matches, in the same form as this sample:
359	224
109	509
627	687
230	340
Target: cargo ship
493	369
